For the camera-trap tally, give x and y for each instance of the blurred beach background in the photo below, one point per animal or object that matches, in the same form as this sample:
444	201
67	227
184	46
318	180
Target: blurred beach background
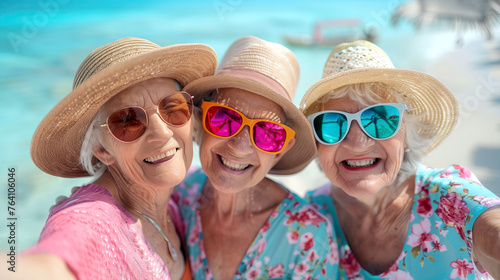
43	42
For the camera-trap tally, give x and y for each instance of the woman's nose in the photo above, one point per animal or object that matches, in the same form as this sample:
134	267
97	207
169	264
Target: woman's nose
157	129
241	141
356	137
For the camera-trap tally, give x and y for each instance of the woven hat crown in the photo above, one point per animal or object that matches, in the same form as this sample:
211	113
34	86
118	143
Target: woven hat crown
270	59
355	55
107	55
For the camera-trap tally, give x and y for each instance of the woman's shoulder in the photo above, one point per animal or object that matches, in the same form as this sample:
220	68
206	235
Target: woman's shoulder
452	172
89	213
454	178
454	192
88	204
91	231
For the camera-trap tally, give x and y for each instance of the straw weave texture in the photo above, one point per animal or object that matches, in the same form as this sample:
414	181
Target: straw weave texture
364	62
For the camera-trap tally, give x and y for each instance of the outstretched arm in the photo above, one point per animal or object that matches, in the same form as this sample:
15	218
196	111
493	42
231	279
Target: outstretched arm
39	266
486	241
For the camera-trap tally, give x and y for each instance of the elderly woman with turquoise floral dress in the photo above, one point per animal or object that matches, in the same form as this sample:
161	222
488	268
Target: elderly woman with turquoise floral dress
394	217
240	224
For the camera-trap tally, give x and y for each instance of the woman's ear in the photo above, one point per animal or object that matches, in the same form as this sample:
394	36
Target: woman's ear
103	155
287	148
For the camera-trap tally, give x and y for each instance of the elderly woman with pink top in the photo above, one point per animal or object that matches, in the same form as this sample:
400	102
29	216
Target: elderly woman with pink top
128	123
394	217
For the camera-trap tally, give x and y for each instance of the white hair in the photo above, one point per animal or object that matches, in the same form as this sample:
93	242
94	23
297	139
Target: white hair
87	159
372	93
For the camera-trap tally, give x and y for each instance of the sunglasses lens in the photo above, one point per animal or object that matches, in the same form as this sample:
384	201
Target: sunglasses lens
176	109
222	122
380	122
330	127
127	124
269	136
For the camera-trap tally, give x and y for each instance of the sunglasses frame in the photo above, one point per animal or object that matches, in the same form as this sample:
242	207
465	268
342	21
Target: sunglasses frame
206	105
357	117
186	95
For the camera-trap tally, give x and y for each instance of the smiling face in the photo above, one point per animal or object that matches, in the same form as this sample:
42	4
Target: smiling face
162	155
235	164
360	165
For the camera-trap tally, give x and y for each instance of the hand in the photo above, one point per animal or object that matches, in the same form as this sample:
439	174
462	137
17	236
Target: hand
486	241
38	266
62	198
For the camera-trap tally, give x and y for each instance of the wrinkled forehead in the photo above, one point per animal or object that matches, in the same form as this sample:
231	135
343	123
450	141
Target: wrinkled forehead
355	97
250	104
149	90
144	94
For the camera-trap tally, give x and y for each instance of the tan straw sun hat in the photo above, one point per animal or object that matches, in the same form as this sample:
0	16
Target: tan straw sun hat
56	143
272	71
364	62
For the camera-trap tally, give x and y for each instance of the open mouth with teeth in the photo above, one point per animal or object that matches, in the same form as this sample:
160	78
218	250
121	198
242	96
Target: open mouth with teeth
359	164
161	157
233	166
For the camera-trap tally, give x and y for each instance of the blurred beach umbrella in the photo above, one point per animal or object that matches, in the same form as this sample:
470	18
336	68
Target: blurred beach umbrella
461	15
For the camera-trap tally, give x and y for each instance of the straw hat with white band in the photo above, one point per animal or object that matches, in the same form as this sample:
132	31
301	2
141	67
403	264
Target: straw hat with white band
364	62
108	70
272	71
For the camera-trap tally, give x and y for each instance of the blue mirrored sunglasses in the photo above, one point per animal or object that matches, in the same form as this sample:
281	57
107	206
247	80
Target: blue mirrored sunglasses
380	121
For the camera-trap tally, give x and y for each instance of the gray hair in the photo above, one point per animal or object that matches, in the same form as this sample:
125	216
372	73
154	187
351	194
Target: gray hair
87	159
197	124
198	116
371	93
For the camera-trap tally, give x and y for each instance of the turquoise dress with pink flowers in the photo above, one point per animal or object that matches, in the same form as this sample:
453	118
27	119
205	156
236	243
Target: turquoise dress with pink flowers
446	204
295	242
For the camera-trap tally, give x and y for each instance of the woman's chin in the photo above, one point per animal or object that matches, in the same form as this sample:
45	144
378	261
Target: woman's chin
363	188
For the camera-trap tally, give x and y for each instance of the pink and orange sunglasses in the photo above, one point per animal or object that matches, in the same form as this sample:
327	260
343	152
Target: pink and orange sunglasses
225	122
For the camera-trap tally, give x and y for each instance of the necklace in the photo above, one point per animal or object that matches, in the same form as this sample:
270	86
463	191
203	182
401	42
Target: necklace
171	250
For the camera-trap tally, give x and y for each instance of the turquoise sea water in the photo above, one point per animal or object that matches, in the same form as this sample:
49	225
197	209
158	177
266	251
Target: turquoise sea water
43	42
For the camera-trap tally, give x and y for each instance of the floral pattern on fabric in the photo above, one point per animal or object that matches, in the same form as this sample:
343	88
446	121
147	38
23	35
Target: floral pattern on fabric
296	242
446	204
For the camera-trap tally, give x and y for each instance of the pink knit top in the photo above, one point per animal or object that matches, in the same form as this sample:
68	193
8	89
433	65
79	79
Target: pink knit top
98	239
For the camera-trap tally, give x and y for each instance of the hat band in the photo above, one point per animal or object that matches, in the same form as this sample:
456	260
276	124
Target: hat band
258	78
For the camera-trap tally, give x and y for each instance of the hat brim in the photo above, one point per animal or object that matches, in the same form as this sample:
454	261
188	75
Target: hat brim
425	96
56	143
304	149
